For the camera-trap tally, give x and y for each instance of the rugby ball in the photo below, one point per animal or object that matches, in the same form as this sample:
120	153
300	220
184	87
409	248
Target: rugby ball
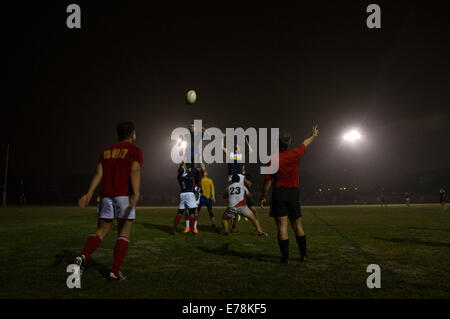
191	97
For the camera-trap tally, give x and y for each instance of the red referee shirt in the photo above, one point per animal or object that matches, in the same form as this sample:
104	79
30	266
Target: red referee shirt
116	161
288	161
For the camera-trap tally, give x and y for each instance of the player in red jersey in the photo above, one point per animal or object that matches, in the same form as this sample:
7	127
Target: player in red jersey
119	169
285	203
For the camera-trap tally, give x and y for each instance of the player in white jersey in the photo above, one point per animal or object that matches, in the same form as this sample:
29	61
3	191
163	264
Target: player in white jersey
237	205
238	217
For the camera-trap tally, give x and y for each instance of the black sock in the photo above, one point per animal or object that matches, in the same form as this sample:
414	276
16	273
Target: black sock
301	243
284	249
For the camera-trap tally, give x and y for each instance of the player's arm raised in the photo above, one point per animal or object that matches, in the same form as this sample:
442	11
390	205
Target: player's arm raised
250	149
135	182
205	133
315	132
213	193
86	198
223	145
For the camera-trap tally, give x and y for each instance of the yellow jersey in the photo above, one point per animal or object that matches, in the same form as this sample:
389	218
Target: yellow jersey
207	187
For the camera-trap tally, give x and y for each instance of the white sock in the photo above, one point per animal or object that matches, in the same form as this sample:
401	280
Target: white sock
187	223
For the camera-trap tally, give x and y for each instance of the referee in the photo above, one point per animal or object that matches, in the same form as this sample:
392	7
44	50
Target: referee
285	195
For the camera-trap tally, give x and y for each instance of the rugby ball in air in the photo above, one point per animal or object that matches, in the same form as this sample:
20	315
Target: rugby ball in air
191	97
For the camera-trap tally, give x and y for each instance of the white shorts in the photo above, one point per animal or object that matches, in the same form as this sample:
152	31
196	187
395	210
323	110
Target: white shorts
197	201
187	200
116	207
233	212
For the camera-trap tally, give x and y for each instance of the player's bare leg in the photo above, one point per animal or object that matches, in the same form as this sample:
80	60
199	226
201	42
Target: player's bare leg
225	224
297	226
124	227
121	247
283	239
299	236
233	225
104	226
282	228
256	223
200	169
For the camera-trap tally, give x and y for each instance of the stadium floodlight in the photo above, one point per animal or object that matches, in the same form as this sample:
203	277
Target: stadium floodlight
351	136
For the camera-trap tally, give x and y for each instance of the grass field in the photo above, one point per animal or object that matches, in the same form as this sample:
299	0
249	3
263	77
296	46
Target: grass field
412	247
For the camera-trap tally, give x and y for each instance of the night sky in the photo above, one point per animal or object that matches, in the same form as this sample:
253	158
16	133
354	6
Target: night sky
260	65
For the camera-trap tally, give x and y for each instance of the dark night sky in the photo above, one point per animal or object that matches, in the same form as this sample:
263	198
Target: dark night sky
253	66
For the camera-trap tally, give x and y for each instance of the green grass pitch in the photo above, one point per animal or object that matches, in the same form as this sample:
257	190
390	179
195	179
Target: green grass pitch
411	245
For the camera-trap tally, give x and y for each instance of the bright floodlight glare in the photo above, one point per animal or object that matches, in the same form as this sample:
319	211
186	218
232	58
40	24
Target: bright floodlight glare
352	136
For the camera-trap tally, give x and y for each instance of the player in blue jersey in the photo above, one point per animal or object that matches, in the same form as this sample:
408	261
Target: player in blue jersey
186	177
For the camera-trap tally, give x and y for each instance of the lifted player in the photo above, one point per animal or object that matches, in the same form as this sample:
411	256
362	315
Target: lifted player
238	158
237	205
192	154
119	166
186	178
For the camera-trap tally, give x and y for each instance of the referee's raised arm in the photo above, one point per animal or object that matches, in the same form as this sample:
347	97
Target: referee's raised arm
315	133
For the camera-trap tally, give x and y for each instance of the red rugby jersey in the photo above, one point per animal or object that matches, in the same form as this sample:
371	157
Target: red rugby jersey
288	161
116	161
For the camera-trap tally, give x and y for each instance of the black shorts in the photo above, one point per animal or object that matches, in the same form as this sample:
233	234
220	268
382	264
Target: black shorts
285	202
